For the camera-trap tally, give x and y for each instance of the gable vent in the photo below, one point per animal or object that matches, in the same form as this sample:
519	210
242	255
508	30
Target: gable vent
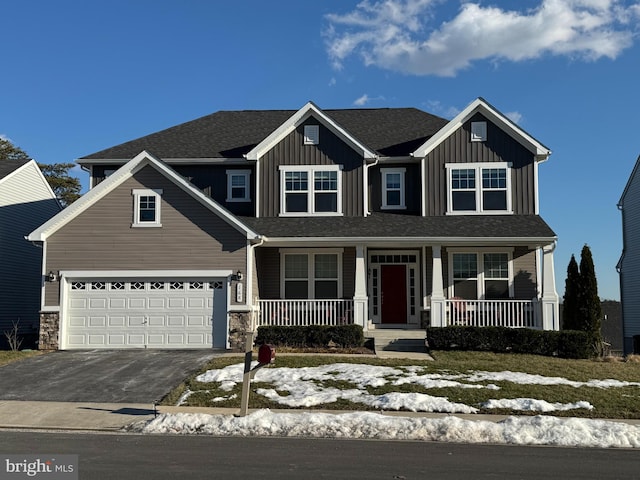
311	134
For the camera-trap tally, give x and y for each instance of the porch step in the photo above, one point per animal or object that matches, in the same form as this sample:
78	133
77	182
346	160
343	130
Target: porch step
399	340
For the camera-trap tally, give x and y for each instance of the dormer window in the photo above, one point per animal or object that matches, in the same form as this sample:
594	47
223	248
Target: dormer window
311	134
310	190
478	131
478	188
146	207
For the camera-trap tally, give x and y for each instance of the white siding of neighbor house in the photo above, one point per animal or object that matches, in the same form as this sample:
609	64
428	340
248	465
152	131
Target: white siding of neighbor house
26	202
630	261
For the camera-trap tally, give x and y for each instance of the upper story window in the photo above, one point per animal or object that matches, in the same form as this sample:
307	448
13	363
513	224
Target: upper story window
238	186
481	275
478	131
310	190
393	188
311	134
480	188
146	207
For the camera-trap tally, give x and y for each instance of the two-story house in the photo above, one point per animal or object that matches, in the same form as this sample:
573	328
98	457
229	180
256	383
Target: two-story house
380	217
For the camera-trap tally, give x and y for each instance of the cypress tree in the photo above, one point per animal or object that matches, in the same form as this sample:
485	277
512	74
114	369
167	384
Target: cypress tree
570	306
590	307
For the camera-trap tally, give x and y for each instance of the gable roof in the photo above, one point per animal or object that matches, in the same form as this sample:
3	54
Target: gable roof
9	166
634	172
295	120
233	134
140	161
482	106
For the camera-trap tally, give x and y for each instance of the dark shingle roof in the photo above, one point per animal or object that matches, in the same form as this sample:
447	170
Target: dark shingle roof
230	134
9	166
388	225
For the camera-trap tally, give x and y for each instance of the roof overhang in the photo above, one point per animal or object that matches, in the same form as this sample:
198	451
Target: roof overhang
480	105
308	110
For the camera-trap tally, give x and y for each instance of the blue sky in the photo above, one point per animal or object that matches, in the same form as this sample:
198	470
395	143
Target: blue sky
82	76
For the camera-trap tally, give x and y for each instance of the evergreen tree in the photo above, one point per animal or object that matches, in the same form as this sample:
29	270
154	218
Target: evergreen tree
66	187
590	307
570	307
8	151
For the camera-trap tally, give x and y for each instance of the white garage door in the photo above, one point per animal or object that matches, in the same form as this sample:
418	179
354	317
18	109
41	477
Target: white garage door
161	313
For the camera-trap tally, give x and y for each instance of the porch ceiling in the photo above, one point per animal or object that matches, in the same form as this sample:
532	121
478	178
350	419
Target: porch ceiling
388	227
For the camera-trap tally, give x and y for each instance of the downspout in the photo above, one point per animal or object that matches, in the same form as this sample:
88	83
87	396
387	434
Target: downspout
365	187
250	280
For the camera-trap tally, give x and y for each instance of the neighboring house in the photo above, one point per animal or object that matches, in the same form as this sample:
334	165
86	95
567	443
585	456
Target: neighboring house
26	201
391	217
629	263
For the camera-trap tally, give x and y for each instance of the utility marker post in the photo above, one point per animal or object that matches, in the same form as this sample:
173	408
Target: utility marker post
266	355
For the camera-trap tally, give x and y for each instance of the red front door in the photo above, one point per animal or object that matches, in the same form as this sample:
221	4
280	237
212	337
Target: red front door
394	293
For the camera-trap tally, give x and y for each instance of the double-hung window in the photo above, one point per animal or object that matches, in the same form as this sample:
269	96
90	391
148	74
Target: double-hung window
310	190
393	188
483	188
481	275
146	207
238	185
314	275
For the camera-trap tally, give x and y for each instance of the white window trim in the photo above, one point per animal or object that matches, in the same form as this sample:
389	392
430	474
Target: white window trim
310	169
239	173
311	266
146	192
480	259
478	167
478	131
384	172
311	134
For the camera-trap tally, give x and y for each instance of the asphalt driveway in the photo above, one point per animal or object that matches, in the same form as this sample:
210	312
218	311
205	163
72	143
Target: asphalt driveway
104	376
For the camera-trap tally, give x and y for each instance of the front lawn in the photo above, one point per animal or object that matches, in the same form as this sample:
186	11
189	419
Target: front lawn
464	378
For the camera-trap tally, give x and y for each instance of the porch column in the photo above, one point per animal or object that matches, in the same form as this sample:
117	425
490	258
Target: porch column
550	307
438	311
360	299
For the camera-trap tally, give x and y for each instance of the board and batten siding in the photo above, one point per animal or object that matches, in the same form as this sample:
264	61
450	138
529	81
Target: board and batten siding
25	203
499	147
630	261
192	237
331	150
412	188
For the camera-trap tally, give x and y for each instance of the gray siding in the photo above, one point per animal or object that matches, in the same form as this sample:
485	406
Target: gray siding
330	151
192	237
25	204
499	147
412	187
268	271
630	262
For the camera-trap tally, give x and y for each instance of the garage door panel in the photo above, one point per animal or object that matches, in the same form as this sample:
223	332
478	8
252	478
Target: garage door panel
154	313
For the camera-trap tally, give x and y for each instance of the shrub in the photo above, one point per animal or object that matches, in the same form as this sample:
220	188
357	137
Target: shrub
565	344
312	336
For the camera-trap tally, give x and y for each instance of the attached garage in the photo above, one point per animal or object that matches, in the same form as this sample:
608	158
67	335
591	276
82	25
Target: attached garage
145	311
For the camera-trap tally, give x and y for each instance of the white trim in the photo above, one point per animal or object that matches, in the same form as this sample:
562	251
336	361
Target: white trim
125	172
383	184
246	174
479	189
138	193
482	106
311	253
480	277
386	242
298	118
310	170
133	274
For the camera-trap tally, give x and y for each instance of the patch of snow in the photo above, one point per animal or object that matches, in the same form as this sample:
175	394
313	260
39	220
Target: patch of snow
533	405
540	430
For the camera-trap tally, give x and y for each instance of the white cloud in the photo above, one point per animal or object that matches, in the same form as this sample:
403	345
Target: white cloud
332	82
395	34
515	117
365	99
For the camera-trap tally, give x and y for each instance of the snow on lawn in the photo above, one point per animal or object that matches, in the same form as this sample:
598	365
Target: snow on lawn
540	430
304	387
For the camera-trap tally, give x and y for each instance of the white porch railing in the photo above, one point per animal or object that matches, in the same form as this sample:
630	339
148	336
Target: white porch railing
304	312
493	313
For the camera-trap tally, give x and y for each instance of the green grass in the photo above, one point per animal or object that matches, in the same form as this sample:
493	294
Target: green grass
609	403
9	356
